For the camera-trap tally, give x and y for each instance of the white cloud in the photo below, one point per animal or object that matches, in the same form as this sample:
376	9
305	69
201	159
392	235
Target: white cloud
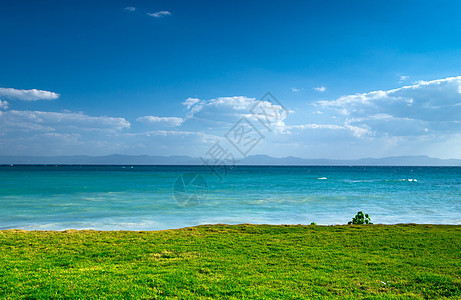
225	111
221	109
202	135
190	102
423	118
59	133
403	78
130	8
316	126
295	90
427	107
346	128
67	132
165	121
160	14
3	104
320	89
420	119
14	120
28	95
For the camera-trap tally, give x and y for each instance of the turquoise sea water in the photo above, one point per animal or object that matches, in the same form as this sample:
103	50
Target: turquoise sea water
159	197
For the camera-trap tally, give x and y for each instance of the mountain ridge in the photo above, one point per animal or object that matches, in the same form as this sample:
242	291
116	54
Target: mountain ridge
120	159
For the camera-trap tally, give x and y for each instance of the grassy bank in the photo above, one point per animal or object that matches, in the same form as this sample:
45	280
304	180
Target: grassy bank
242	261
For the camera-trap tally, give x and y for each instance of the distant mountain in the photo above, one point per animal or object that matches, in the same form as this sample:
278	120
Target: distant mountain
386	161
114	159
117	159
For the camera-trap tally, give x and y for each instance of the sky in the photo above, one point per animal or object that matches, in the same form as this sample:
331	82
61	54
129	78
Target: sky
346	79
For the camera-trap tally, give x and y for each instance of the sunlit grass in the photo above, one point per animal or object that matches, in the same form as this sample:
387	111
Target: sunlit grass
241	261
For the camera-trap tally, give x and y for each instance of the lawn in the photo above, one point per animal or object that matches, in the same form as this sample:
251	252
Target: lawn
234	262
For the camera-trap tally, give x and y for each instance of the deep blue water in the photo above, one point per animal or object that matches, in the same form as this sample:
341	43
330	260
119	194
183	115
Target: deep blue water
154	197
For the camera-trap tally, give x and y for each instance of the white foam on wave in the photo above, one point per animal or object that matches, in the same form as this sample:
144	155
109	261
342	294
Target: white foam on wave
361	181
408	179
322	178
103	224
380	180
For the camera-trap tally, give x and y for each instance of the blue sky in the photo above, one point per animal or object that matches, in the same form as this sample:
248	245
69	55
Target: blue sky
357	78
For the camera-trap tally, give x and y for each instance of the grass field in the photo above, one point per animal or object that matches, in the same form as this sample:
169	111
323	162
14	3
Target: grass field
234	262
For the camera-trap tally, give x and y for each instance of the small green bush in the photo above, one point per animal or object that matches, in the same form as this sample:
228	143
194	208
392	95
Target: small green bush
360	218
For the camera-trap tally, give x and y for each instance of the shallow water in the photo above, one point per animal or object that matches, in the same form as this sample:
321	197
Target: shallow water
152	197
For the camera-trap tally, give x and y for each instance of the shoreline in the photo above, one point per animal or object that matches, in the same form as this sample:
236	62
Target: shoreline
427	225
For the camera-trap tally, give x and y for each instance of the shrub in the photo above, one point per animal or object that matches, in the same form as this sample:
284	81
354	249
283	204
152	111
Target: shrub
360	218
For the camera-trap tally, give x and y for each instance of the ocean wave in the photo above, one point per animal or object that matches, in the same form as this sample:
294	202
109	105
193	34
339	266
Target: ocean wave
381	180
406	179
362	180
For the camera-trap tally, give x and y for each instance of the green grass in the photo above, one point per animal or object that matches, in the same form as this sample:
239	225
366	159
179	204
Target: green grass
234	262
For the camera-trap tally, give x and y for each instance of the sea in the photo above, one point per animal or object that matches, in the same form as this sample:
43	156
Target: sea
59	197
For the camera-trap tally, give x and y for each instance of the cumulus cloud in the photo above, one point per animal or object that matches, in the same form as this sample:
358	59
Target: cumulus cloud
422	118
427	107
160	14
320	89
226	111
190	102
295	90
69	133
59	133
15	120
419	119
193	106
130	8
222	109
3	104
163	121
28	95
